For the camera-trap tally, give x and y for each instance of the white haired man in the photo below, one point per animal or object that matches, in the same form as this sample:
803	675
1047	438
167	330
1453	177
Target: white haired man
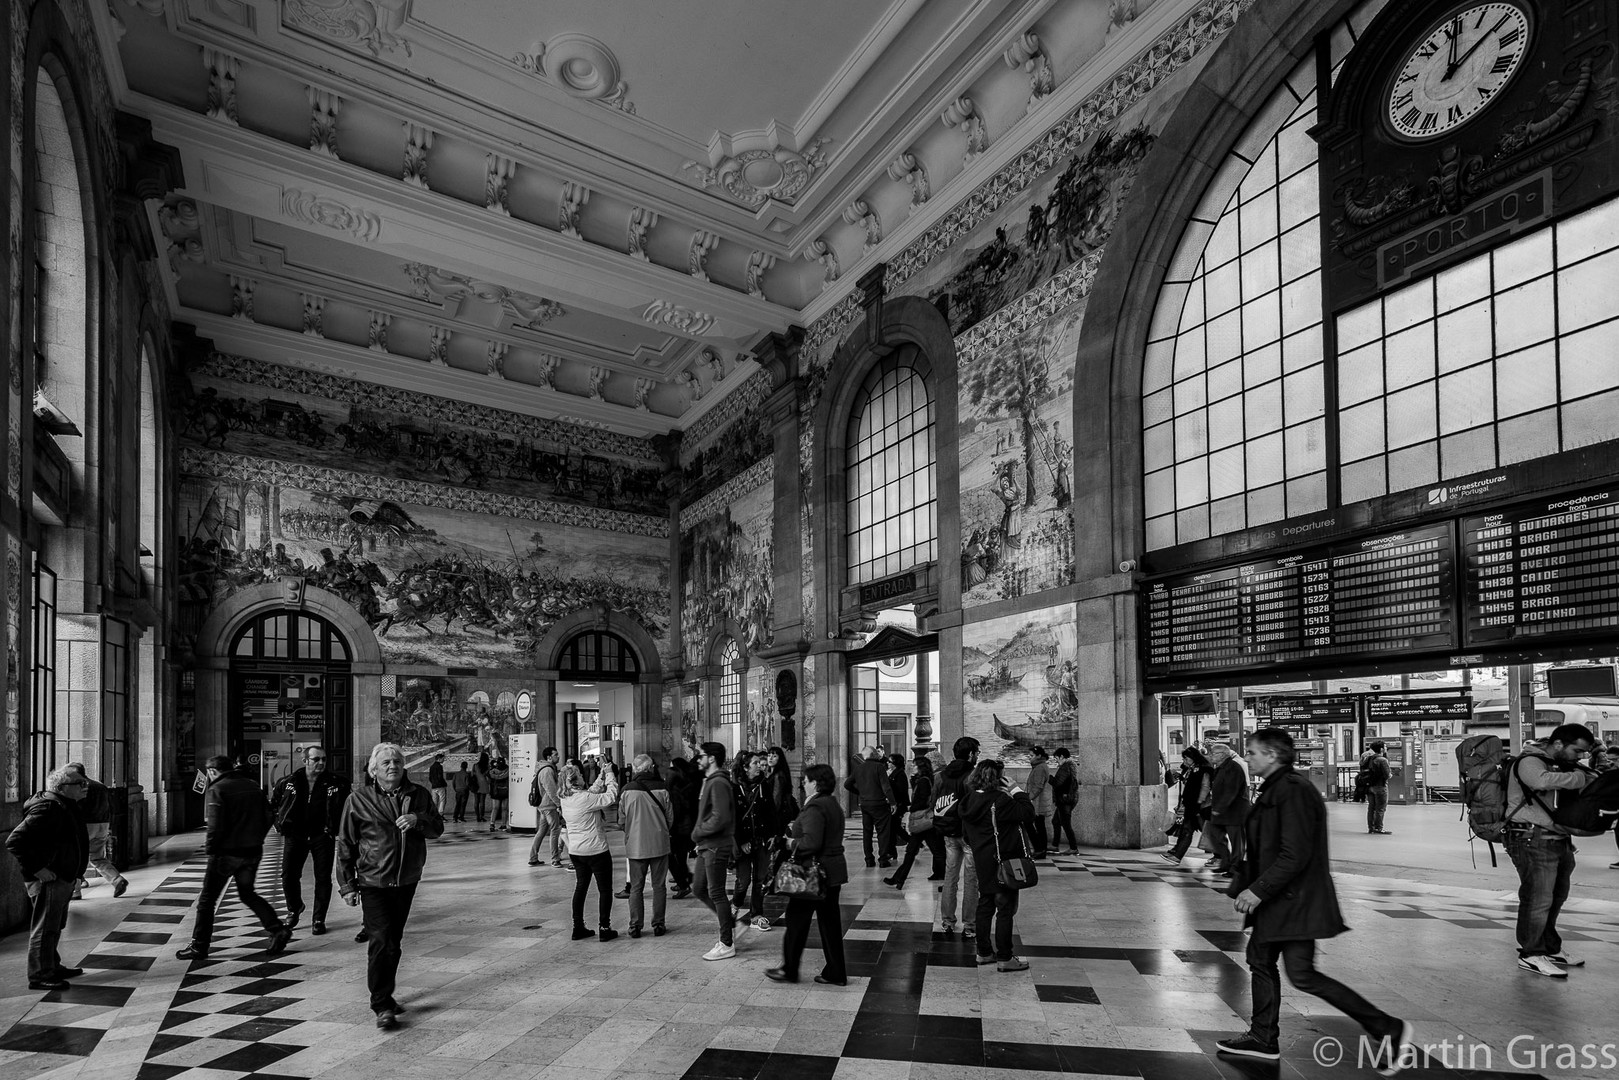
381	849
53	848
648	817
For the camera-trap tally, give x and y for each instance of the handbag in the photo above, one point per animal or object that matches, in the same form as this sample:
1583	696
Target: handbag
1014	873
919	821
801	879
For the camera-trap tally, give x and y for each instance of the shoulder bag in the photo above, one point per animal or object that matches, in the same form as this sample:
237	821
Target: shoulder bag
1017	872
801	878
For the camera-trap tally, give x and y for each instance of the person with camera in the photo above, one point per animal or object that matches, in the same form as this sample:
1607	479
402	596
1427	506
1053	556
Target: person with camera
381	850
308	809
817	837
584	808
994	818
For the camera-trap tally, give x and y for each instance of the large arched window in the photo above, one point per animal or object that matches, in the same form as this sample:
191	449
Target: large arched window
1233	393
890	472
597	654
60	316
730	684
290	635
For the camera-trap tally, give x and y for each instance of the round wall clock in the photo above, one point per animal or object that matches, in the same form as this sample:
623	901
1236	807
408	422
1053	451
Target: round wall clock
1457	69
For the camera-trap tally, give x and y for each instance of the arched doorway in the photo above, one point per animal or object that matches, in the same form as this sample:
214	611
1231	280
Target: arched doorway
602	662
290	687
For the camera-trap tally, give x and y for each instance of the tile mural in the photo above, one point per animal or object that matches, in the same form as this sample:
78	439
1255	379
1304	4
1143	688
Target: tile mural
1020	682
727	564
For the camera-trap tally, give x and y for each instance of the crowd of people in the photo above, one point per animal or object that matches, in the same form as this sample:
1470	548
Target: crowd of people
746	834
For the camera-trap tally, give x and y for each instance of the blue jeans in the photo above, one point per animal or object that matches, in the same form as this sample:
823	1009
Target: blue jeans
958	867
708	886
1377	802
1545	862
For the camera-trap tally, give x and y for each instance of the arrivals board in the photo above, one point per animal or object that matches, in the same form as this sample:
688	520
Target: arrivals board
1383	707
1331	709
1547	569
1381	596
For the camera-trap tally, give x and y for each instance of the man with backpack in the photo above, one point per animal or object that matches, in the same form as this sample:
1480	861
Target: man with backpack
1541	850
542	794
1376	770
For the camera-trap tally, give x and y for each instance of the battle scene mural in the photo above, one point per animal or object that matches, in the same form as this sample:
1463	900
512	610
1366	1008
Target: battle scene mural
406	437
456	715
727	562
438	586
1021	683
1015	443
1053	224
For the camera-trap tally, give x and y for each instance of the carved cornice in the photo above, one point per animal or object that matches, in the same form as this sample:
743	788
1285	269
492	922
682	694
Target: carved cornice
682	320
328	213
1193	33
219	465
754	177
528	312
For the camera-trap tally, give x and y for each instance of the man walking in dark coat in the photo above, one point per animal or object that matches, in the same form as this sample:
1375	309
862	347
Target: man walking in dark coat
869	781
1230	787
309	801
53	848
1284	890
237	817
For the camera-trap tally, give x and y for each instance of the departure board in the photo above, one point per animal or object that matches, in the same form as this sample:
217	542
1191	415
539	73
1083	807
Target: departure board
1548	569
1365	598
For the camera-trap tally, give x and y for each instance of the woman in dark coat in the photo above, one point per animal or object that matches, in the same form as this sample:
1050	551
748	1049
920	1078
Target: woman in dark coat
900	786
780	785
683	787
817	835
921	799
993	817
1196	795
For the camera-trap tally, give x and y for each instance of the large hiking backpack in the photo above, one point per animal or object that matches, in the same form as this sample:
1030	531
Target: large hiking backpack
1482	761
1363	782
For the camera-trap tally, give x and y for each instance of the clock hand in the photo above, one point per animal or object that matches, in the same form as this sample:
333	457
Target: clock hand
1471	49
1455	37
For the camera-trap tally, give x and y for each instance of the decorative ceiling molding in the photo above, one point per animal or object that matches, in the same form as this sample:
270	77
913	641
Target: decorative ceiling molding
527	312
681	319
328	213
754	177
374	25
581	67
963	113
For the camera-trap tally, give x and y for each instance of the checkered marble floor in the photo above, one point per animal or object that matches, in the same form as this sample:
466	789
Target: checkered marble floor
1135	971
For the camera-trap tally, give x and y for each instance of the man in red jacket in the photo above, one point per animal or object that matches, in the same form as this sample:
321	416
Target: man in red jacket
1283	888
381	849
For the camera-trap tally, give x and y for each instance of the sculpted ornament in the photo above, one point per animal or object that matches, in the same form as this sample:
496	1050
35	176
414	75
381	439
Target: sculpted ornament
598	379
527	312
418	141
702	242
682	320
860	214
820	250
372	24
438	346
759	262
753	177
643	390
580	66
331	214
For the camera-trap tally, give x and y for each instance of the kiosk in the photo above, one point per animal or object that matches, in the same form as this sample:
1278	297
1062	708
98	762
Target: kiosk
525	761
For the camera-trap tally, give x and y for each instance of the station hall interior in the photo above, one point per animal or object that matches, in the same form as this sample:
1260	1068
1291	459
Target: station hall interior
1116	375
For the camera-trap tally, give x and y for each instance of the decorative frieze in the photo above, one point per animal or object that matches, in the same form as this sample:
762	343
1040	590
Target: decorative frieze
820	250
328	213
549	363
754	177
643	390
963	113
757	476
495	359
528	312
438	346
314	314
682	320
346	484
597	382
741	401
372	24
1026	53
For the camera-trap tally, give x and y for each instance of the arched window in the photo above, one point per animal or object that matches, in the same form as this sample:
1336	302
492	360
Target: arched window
730	684
290	635
1233	390
60	315
597	654
891	476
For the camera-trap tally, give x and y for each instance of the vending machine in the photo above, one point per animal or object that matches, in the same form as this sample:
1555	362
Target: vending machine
1318	760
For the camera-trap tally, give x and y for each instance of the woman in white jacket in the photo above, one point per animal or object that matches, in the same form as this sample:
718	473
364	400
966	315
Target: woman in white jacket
583	807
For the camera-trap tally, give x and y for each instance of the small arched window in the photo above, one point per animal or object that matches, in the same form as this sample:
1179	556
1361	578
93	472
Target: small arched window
597	654
891	478
290	635
730	684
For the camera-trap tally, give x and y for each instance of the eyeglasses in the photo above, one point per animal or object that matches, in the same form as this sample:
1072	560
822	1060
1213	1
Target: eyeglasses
75	783
317	760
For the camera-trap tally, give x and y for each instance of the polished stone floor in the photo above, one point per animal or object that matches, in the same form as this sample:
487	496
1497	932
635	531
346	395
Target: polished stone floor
1135	971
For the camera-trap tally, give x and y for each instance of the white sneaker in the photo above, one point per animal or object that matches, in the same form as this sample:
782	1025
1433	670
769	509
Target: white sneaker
1565	959
720	951
762	923
1542	965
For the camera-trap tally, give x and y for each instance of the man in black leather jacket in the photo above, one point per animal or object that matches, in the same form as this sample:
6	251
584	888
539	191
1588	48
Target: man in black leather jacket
381	849
308	805
52	847
237	818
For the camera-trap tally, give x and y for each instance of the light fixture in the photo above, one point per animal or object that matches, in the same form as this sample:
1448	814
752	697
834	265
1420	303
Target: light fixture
583	685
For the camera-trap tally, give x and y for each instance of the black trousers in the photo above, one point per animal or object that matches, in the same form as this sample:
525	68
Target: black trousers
385	911
1040	842
935	844
997	908
461	805
293	854
752	874
876	818
598	868
1062	821
222	870
826	915
680	848
1299	959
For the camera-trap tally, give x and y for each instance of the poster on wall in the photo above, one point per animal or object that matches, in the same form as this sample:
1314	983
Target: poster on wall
1016	449
289	701
1021	682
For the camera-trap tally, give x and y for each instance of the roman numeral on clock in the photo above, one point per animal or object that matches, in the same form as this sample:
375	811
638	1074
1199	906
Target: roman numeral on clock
1411	116
1429	120
1510	36
1453	114
1503	64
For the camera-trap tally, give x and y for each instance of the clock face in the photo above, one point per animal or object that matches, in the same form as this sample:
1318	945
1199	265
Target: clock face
1457	69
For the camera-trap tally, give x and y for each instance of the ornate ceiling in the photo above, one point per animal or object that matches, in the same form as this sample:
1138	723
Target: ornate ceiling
583	209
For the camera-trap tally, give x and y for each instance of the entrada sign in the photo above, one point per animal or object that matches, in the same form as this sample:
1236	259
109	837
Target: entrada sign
887	589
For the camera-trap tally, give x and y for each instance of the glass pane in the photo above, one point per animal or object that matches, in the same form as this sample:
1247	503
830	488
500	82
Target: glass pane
1414	466
1360	374
1261	321
1357	327
1524	315
1228	515
1590	361
1302	350
1225	380
1226	476
1590	420
1360	431
1362	480
1523	380
1303	396
1224	338
1467	452
1306	447
1301	303
1261	270
1225	422
1191	483
1301	248
1264	409
1588	293
1296	201
1464	336
1189	353
1407	307
1529	436
1267	504
1158	446
1159	494
1191	435
1307	494
1190	394
1261	365
1588	233
1222	289
1258	219
1467	399
1464	284
1265	459
1409	356
1192	524
1412	417
1523	259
